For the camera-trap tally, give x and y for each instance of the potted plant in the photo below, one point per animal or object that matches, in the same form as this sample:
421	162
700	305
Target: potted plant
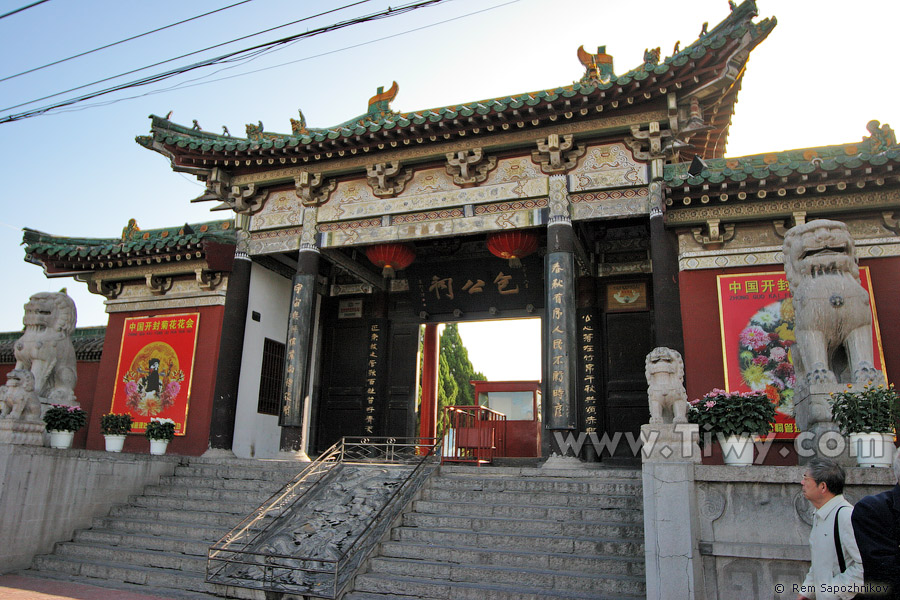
114	428
735	418
868	417
62	422
160	432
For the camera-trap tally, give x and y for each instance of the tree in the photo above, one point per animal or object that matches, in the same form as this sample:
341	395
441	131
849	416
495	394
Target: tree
459	366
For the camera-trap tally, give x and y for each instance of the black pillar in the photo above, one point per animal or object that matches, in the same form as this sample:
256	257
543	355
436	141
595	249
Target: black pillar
664	258
296	360
231	348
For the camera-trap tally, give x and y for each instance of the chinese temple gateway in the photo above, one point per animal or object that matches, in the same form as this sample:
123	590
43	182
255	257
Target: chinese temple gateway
606	207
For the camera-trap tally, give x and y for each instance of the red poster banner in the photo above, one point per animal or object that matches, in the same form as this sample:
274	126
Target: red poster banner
756	315
156	362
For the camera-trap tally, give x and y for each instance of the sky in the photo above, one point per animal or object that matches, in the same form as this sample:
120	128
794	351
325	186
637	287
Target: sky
823	73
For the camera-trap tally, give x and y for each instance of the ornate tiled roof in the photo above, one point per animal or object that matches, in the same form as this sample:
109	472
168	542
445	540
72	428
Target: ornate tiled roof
134	247
816	170
723	49
88	342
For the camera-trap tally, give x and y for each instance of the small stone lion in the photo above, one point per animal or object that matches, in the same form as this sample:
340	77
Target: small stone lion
664	369
18	401
833	321
46	348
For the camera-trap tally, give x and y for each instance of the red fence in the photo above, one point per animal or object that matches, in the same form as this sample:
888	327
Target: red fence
474	434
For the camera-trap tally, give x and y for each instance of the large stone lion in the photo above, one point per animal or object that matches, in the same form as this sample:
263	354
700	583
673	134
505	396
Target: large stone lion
18	401
664	369
833	321
46	349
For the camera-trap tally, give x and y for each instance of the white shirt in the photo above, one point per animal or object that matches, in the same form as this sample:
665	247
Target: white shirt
825	580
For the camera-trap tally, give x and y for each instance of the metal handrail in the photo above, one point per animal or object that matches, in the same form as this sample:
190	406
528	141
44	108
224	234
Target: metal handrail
340	570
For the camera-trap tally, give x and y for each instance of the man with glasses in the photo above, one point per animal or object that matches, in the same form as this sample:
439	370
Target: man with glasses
836	571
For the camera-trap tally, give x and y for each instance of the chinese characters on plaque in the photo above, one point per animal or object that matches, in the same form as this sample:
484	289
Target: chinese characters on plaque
374	359
756	315
153	375
587	344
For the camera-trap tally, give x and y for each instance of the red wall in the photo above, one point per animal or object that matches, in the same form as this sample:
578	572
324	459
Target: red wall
196	441
84	391
704	369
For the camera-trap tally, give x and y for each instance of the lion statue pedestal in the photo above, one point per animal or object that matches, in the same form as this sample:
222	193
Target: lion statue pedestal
668	436
20	410
832	326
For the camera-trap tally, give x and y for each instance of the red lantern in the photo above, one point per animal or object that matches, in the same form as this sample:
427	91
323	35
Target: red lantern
391	257
512	245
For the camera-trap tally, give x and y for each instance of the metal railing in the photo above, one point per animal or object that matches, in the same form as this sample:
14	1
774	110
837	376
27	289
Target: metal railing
474	434
240	560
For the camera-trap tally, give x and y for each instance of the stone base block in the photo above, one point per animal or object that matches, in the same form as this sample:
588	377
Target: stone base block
670	442
30	433
823	440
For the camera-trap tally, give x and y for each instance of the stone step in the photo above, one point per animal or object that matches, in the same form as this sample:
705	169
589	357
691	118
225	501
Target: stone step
116	539
556	513
187	517
255	494
170	593
631	501
582	545
158	579
459	590
596	564
225	471
197	532
221	483
566	474
175	561
241	509
533	579
515	525
534	484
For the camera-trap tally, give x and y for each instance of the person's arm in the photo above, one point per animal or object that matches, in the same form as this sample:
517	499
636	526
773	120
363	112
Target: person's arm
808	584
853	574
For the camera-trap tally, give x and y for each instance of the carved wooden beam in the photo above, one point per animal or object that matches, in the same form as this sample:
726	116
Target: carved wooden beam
387	179
557	155
159	285
310	189
716	233
469	167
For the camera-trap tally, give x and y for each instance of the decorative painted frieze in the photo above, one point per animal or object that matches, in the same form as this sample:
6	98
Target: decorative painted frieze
608	166
469	167
282	209
557	155
279	240
312	188
387	179
610	204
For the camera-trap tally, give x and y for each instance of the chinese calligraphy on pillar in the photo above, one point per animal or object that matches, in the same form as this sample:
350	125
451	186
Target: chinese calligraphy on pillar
561	325
587	344
297	351
374	362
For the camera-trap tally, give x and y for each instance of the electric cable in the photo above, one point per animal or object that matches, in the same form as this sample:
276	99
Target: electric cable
18	10
197	81
128	39
156	64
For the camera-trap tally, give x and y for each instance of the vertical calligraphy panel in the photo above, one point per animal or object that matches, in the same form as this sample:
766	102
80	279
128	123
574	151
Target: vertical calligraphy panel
375	361
562	329
297	351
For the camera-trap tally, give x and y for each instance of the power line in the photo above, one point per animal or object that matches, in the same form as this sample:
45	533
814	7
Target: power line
162	62
232	56
134	37
196	82
18	10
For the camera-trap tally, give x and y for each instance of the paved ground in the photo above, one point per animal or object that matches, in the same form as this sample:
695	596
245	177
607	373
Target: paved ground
17	587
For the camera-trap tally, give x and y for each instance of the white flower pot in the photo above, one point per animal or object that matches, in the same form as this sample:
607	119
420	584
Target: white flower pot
872	449
737	450
158	446
114	443
61	439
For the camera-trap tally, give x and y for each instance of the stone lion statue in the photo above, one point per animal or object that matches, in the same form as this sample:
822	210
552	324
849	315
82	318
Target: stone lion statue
46	348
833	321
18	400
664	369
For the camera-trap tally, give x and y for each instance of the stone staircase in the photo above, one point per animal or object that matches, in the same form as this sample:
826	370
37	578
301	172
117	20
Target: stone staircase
508	533
158	542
